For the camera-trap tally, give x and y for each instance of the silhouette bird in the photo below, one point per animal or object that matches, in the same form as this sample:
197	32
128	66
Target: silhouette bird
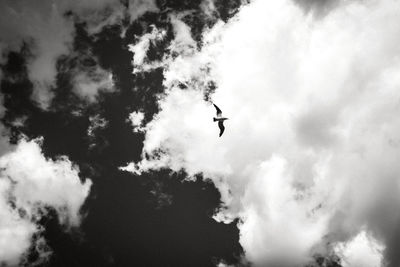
220	120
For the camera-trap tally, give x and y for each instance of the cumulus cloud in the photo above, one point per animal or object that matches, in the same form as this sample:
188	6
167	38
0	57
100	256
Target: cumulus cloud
309	155
29	185
48	31
136	119
182	59
362	251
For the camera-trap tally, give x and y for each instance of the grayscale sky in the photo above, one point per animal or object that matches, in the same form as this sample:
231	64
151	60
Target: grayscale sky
109	155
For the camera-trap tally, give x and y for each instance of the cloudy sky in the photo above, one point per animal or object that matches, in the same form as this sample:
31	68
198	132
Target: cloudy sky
109	155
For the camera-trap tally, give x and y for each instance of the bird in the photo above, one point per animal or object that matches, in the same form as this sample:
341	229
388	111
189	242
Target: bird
220	120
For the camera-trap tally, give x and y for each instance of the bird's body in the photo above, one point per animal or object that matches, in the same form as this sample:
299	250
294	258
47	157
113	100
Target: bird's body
220	120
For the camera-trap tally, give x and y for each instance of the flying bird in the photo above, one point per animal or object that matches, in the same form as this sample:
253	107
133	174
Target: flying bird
220	120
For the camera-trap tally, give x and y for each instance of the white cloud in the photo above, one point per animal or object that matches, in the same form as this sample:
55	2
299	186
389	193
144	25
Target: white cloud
182	60
141	47
30	183
136	119
15	232
309	155
362	251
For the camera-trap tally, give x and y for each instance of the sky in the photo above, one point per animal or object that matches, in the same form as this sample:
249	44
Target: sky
109	155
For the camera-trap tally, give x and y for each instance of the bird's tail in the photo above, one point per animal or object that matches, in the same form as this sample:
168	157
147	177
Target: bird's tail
214	119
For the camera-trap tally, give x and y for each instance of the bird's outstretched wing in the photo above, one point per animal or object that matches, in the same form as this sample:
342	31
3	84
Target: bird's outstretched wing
221	127
219	112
